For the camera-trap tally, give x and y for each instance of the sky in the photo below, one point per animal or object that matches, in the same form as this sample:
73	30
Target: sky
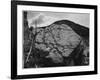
44	18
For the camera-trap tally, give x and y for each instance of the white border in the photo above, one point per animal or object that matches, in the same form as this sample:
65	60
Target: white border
21	71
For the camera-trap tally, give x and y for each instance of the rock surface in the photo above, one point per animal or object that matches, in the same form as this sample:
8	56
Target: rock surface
57	42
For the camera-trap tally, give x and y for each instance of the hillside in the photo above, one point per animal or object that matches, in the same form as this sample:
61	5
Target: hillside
63	43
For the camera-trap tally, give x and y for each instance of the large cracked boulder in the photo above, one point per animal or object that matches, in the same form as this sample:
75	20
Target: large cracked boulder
63	43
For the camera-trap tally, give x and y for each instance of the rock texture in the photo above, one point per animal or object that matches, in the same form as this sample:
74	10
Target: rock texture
63	43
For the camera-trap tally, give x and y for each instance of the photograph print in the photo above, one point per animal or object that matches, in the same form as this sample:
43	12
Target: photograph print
52	39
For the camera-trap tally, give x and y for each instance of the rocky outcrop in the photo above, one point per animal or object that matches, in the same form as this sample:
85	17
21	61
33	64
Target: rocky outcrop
63	43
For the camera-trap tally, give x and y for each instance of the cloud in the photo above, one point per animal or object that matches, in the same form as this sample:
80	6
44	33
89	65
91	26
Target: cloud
47	18
38	20
42	20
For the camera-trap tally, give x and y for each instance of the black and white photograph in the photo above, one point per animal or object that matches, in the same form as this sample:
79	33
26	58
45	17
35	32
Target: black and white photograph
53	39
